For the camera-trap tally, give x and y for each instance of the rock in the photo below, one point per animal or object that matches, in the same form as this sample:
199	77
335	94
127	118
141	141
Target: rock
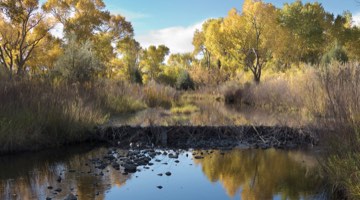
50	187
159	187
157	160
177	161
72	170
70	197
48	198
165	163
59	179
58	190
130	168
168	173
160	174
116	166
199	157
175	156
101	174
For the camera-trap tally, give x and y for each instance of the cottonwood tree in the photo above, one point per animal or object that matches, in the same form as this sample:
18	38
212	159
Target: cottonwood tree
249	35
151	60
22	27
89	21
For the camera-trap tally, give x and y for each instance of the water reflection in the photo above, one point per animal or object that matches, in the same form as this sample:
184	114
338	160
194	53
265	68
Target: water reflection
260	174
247	174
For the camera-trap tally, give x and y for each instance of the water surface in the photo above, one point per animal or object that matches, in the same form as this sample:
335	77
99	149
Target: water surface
236	174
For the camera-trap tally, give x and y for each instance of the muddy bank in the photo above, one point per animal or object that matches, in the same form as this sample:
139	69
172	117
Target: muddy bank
208	137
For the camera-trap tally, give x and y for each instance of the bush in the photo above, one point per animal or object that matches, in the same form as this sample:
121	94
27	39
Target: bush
78	63
232	93
184	81
337	53
157	95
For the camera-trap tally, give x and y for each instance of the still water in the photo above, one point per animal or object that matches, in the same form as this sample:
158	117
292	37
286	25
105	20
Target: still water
236	174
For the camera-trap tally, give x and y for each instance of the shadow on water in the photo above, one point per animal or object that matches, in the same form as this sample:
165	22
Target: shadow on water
237	174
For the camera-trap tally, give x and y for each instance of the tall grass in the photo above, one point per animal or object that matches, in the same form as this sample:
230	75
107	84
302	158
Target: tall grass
34	114
157	95
341	85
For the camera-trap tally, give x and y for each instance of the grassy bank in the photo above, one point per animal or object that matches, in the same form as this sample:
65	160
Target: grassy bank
35	114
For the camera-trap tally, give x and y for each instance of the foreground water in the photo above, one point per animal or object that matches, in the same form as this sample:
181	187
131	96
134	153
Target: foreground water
236	174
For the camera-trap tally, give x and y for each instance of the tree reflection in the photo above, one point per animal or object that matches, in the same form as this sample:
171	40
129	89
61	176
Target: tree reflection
29	178
260	174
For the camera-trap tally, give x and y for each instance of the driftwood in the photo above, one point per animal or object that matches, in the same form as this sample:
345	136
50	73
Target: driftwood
207	136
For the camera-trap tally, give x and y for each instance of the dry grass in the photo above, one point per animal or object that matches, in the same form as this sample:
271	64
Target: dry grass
35	114
157	95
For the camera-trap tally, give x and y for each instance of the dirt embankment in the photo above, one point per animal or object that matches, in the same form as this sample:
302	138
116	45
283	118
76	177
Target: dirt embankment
208	137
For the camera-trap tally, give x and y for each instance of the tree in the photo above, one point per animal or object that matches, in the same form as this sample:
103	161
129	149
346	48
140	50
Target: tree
22	27
307	23
80	17
88	20
249	35
151	60
128	64
181	60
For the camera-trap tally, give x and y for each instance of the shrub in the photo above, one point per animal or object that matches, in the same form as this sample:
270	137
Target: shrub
337	53
157	95
184	81
232	93
78	63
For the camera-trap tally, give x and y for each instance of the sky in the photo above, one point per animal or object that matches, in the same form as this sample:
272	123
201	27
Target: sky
173	22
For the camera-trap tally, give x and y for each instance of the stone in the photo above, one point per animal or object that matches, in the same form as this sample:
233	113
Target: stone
50	187
58	190
130	168
168	173
175	156
199	157
70	197
159	187
160	174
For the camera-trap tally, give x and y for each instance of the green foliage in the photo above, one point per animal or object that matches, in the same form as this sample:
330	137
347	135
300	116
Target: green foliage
78	63
337	53
184	81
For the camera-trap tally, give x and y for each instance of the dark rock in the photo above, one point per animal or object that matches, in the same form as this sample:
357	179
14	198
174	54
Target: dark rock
58	190
48	198
175	156
199	157
70	197
50	187
59	179
168	173
177	161
130	168
160	174
160	187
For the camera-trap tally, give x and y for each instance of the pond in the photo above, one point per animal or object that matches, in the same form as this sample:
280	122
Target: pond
194	174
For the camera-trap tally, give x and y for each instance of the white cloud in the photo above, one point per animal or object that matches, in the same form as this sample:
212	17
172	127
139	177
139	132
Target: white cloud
356	19
178	39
